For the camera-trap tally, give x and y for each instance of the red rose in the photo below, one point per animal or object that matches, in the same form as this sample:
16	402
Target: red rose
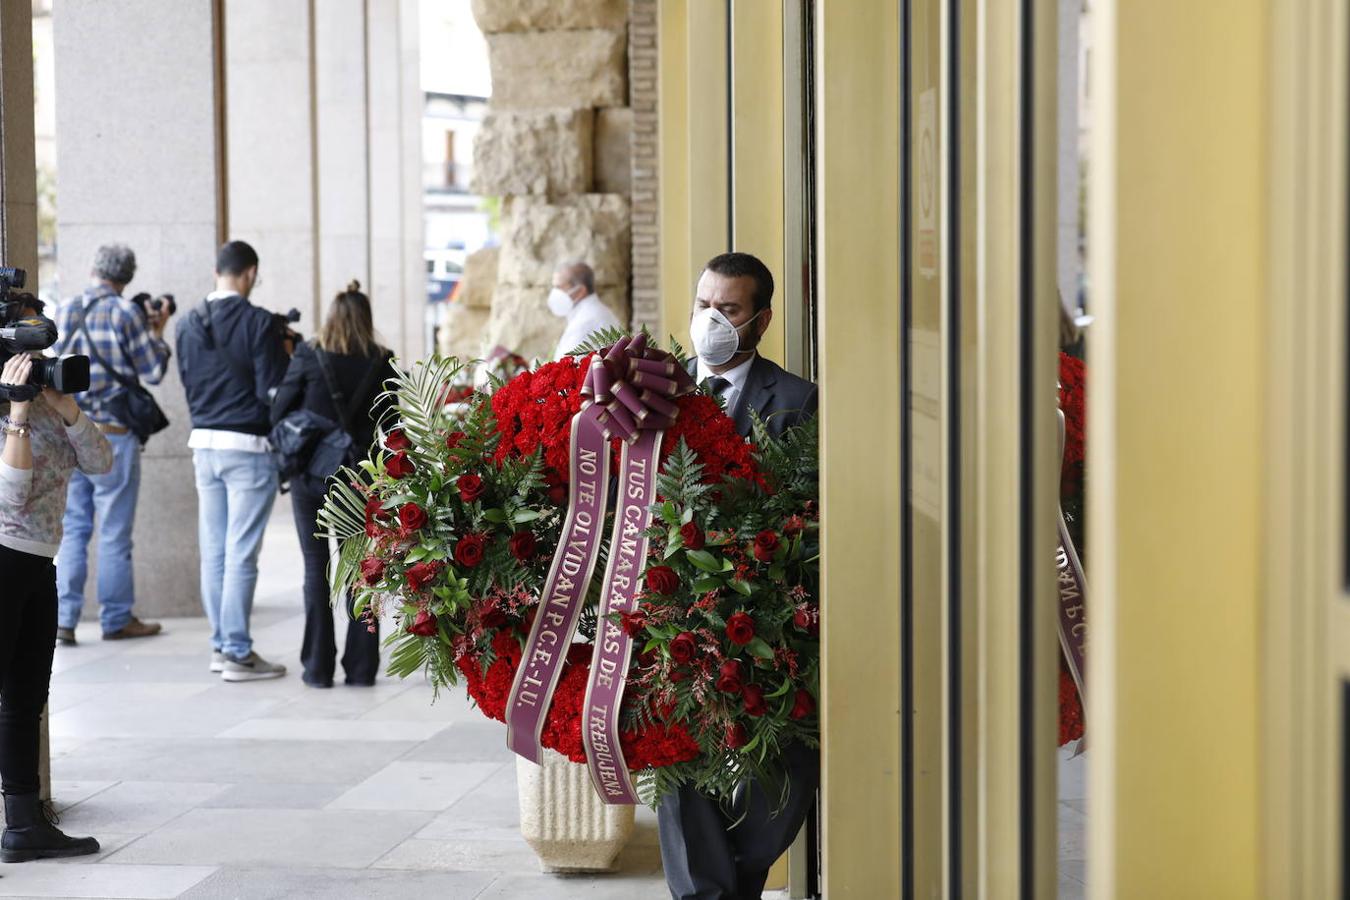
411	516
803	704
492	617
419	574
557	495
633	624
729	677
692	536
397	440
741	629
766	545
470	488
470	549
399	466
424	625
374	515
806	618
453	439
678	675
794	526
683	647
737	737
458	394
522	545
372	570
662	580
753	697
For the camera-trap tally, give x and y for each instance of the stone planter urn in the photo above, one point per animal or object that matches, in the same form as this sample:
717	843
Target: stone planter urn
563	819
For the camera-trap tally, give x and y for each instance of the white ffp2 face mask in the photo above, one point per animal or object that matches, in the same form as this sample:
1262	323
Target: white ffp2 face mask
716	340
559	303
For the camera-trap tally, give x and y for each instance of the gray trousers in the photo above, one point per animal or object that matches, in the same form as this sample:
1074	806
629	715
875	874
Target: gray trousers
707	857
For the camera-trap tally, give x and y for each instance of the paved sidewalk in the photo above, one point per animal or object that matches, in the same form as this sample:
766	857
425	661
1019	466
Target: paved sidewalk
200	789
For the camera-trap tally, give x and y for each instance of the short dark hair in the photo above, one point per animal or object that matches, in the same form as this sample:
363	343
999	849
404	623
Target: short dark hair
744	265
235	258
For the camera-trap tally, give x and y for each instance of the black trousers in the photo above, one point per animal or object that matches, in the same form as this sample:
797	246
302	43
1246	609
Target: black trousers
27	645
361	657
713	854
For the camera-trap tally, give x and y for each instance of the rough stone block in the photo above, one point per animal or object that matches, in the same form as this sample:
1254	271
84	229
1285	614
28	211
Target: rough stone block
613	162
494	16
463	331
520	320
593	228
479	278
547	152
544	69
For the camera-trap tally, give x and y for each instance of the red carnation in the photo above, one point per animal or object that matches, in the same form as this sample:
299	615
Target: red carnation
633	624
419	574
741	629
766	545
453	439
424	625
375	514
729	677
399	465
662	580
411	517
470	549
737	737
753	697
522	545
683	647
692	536
372	570
397	440
803	704
470	487
794	526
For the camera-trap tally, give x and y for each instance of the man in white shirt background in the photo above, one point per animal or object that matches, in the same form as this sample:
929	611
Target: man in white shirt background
573	298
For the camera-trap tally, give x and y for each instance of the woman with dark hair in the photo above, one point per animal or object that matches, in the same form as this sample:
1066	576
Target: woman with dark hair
339	375
42	441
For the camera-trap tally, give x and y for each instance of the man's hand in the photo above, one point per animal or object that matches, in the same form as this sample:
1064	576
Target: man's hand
63	404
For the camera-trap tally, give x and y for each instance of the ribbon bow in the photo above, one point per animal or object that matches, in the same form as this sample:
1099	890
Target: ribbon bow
635	387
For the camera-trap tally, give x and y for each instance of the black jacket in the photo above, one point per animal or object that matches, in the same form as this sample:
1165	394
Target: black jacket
230	368
304	388
781	398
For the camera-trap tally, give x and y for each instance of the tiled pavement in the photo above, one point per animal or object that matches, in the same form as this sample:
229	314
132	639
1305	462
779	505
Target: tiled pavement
200	789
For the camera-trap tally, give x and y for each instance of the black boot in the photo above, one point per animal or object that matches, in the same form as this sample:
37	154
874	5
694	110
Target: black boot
30	834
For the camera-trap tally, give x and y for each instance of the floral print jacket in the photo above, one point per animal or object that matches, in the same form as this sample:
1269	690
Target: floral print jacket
33	501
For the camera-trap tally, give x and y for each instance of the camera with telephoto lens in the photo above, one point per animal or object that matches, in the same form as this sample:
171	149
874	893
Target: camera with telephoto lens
282	322
156	304
22	332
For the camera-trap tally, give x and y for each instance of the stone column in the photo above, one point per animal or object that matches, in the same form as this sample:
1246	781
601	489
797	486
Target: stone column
139	162
18	193
271	152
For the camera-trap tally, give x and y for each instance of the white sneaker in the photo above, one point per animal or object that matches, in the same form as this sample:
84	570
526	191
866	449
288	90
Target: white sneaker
251	668
217	661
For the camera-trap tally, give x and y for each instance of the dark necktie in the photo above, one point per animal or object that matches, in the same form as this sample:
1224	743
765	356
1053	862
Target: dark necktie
718	386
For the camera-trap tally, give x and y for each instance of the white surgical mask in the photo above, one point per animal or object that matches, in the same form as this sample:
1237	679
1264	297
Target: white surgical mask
559	303
716	340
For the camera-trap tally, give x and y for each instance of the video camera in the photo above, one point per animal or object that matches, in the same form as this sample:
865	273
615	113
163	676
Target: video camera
149	305
282	322
21	332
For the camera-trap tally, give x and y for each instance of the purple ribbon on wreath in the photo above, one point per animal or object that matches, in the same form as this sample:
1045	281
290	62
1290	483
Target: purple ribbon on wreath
629	392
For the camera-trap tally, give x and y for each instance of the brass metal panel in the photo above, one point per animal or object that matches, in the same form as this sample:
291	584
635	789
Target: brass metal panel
1178	261
857	62
677	281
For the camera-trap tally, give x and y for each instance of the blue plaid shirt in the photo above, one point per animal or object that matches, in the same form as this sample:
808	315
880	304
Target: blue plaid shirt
123	339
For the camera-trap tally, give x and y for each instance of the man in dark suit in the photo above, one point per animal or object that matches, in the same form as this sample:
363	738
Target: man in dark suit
710	853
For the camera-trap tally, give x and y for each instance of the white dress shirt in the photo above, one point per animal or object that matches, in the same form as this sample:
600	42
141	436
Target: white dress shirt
216	439
587	316
736	377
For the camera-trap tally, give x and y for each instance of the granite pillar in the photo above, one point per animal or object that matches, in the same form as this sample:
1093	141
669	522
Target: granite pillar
140	162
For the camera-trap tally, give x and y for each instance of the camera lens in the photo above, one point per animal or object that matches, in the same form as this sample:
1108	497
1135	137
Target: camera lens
66	374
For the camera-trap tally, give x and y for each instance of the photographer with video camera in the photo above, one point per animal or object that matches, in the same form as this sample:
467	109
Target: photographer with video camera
124	339
44	439
232	356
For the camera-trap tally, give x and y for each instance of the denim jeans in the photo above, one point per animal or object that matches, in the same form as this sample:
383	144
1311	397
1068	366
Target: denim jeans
111	499
235	492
